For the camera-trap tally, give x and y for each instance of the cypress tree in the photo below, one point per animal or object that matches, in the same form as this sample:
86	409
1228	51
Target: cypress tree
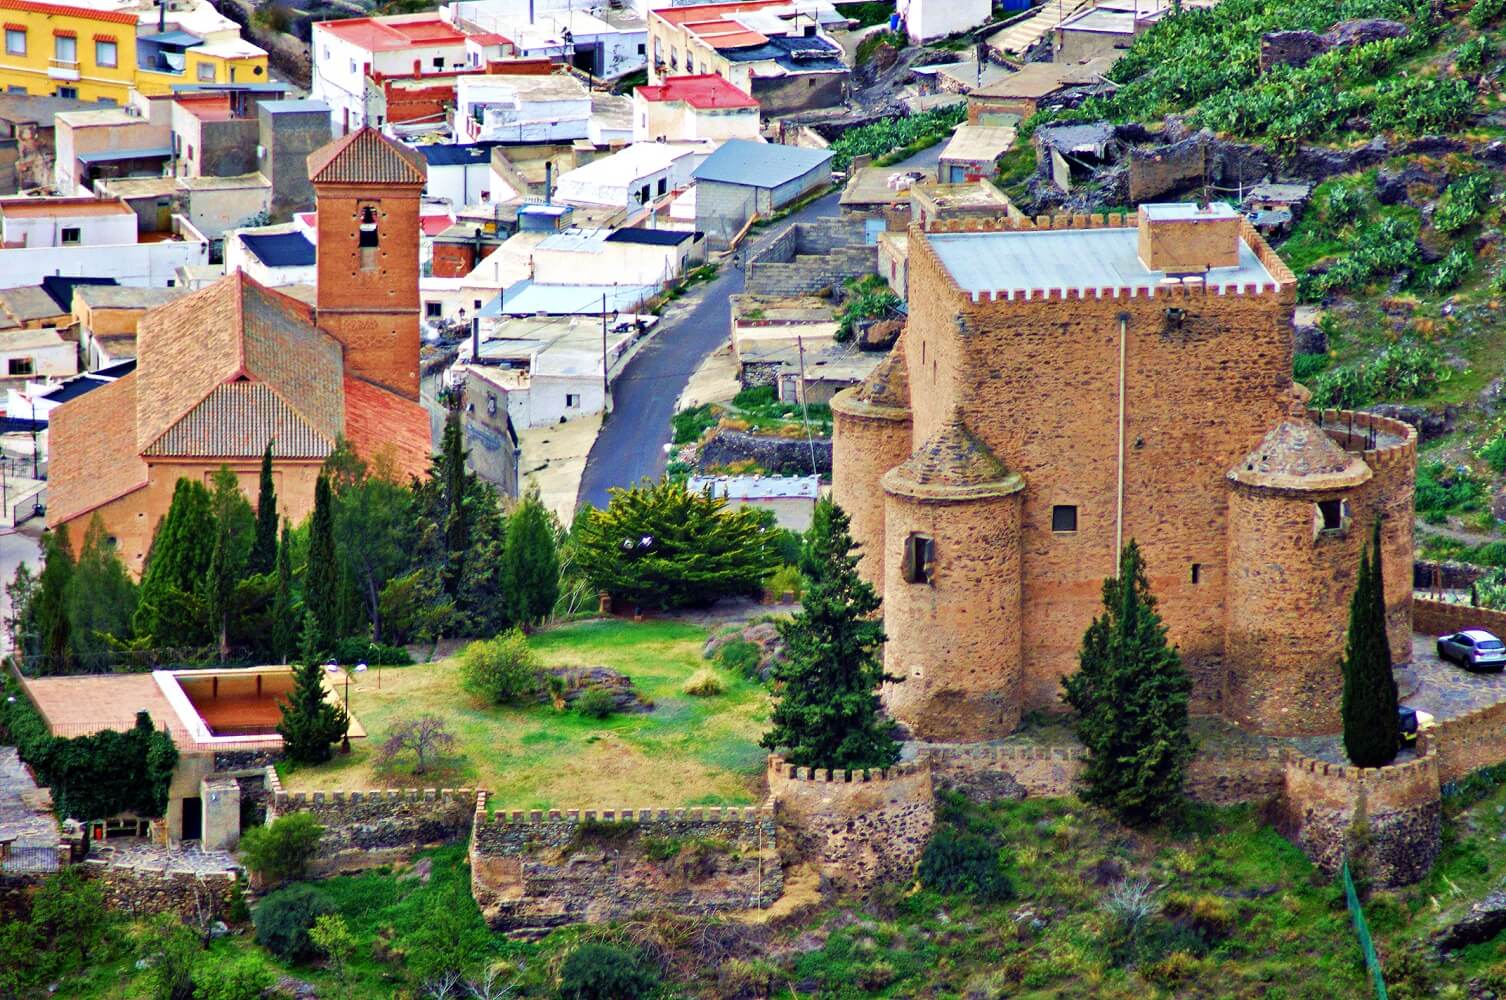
310	723
1368	706
457	528
284	620
168	608
101	596
321	590
828	711
531	561
52	601
264	548
1131	695
219	585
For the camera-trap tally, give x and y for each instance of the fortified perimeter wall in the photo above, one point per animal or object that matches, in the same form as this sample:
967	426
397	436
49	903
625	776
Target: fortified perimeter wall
536	870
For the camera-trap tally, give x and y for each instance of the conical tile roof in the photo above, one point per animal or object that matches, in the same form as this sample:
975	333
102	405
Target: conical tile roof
366	156
1298	454
952	464
889	383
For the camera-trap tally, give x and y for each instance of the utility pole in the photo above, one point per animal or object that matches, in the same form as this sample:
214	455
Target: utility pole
605	385
805	413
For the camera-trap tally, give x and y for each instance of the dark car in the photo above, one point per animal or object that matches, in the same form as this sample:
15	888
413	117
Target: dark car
1406	725
1473	649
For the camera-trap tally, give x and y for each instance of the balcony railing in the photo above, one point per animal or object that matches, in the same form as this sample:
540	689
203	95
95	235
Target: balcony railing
62	69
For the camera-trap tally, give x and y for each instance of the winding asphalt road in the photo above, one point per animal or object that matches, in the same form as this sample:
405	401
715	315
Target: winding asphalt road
631	444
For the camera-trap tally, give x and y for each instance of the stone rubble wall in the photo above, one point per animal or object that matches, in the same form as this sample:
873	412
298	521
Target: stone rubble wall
367	829
1468	742
140	890
1432	617
536	870
859	828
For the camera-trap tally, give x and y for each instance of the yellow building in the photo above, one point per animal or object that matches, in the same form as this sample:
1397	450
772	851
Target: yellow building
100	55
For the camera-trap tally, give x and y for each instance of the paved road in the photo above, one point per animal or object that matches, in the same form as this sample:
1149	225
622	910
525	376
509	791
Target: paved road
631	443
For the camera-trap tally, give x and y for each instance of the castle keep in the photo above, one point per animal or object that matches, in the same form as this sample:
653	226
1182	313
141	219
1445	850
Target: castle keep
1065	386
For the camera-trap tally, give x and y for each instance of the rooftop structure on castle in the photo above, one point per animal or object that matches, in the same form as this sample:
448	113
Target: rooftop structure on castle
1065	386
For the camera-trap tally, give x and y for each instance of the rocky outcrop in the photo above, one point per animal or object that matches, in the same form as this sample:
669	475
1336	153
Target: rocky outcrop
1485	920
567	685
1298	48
776	455
1430	424
764	635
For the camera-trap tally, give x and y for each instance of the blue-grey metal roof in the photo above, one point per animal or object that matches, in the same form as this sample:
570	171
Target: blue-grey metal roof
116	155
74	388
281	249
651	237
528	299
285	107
1087	259
445	154
759	164
173	38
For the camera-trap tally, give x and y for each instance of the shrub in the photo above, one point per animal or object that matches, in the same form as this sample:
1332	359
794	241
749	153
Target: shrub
1130	905
1442	490
596	703
358	650
1494	453
690	424
964	862
170	948
868	297
605	972
424	736
703	683
742	656
1462	203
503	670
284	918
787	579
1309	366
244	977
281	851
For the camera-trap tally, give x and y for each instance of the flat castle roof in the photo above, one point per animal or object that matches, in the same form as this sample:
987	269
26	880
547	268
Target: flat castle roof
1016	263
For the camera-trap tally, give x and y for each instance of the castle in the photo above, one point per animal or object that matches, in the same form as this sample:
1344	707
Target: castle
1067	385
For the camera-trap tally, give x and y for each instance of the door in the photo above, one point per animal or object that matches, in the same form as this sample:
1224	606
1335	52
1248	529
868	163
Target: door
193	819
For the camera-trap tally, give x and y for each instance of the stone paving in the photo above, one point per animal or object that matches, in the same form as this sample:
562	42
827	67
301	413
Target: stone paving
133	852
1447	690
25	810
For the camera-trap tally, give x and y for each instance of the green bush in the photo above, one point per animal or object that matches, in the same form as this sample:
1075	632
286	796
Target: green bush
171	949
281	851
787	579
704	683
891	134
868	46
605	972
1485	11
690	424
355	649
741	656
868	297
759	395
1309	366
1448	273
283	920
1442	490
1494	453
596	703
1462	203
1405	370
503	670
243	977
965	862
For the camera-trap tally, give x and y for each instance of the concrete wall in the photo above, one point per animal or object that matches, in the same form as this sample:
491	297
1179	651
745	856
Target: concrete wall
540	870
810	256
286	139
142	264
784	95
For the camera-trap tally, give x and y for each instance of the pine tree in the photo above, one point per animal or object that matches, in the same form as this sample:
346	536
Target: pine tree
1368	706
310	722
828	711
52	601
321	590
101	596
1131	696
532	562
169	610
284	614
264	548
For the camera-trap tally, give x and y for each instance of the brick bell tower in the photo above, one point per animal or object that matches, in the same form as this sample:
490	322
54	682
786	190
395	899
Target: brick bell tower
367	189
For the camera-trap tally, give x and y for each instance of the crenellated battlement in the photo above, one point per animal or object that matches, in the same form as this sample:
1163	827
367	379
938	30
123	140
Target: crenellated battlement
294	801
751	815
1398	774
1350	429
778	766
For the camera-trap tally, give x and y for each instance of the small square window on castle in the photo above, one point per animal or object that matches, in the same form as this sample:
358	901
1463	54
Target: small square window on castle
919	558
1064	518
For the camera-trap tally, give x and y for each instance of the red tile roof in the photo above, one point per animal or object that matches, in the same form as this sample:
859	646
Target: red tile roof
68	10
366	156
93	455
433	225
704	90
382	425
386	34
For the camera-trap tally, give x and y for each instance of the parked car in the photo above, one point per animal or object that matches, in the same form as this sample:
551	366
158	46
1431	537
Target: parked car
1473	649
1410	722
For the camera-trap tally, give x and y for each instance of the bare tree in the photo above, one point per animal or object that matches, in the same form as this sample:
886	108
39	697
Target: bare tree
490	986
424	736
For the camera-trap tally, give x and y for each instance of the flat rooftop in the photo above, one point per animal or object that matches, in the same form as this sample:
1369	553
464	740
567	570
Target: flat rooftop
1078	259
385	34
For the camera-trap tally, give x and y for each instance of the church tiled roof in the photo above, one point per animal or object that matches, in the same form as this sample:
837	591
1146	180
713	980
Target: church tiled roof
366	156
236	420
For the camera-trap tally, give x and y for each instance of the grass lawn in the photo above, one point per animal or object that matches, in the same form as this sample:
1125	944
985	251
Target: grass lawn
686	752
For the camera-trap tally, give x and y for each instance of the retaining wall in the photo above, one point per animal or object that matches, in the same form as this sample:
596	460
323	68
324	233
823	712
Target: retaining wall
367	829
141	890
858	828
1432	617
536	870
811	256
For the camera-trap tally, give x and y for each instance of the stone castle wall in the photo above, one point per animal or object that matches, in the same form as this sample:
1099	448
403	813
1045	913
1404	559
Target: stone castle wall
858	828
140	890
872	440
1390	818
366	829
1469	742
536	870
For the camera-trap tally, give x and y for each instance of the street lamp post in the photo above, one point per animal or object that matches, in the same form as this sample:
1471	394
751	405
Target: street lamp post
333	667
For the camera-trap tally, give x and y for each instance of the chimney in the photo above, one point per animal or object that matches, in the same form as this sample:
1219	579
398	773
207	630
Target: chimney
1185	238
548	182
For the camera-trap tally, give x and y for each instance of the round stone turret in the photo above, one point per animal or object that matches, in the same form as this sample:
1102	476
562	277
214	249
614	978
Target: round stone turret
952	589
870	436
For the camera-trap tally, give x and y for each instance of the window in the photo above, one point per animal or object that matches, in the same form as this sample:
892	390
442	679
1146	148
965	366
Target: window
640	48
643	194
572	400
1332	517
65	48
15	41
71	236
439	62
69	92
15	89
1064	517
432	310
663	185
1197	572
206	72
104	52
108	102
352	65
918	560
19	366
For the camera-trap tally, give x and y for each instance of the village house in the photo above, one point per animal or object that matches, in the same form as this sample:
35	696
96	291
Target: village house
223	371
107	317
632	178
93	237
1157	351
928	20
791	499
1037	85
777	51
107	143
600	40
690	108
1104	30
743	178
521	108
273	256
346	52
973	153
